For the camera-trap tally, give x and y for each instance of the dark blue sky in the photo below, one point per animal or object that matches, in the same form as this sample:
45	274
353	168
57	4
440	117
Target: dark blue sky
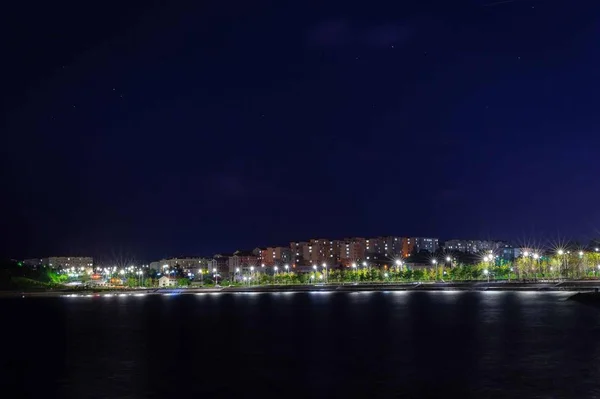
170	129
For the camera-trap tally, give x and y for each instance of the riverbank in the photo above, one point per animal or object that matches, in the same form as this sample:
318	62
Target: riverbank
565	286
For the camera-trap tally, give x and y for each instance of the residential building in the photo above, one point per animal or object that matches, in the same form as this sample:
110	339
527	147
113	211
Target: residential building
300	253
62	262
388	246
350	250
243	260
473	246
418	244
165	281
322	251
187	264
220	262
276	256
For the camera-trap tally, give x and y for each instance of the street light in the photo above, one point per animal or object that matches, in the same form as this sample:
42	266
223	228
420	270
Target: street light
251	272
562	261
216	276
487	273
326	272
434	261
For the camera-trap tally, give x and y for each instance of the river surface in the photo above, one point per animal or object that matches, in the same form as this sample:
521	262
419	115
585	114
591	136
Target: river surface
288	345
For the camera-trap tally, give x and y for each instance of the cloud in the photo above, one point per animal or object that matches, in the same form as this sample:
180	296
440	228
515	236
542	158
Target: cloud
342	32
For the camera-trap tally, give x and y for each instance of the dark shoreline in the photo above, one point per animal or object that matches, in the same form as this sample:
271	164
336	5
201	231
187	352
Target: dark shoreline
567	286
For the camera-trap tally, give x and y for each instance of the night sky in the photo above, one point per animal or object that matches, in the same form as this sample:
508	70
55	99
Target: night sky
170	129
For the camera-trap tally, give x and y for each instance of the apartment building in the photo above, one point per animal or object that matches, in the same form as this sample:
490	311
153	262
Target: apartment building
473	246
188	264
418	244
62	262
276	256
243	260
388	246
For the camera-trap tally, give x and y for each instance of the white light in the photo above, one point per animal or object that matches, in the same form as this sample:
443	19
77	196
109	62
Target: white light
448	259
485	272
275	268
398	262
525	253
365	264
561	252
237	270
315	267
535	256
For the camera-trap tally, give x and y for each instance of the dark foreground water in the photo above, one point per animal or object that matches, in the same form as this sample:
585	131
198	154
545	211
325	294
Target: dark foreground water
396	344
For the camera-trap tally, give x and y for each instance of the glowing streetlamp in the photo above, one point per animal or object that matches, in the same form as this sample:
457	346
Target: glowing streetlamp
487	273
326	272
561	253
434	261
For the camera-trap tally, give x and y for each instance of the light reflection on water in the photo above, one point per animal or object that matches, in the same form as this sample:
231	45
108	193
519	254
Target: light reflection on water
357	344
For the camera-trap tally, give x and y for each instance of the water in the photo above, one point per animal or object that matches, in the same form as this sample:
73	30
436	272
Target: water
381	344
